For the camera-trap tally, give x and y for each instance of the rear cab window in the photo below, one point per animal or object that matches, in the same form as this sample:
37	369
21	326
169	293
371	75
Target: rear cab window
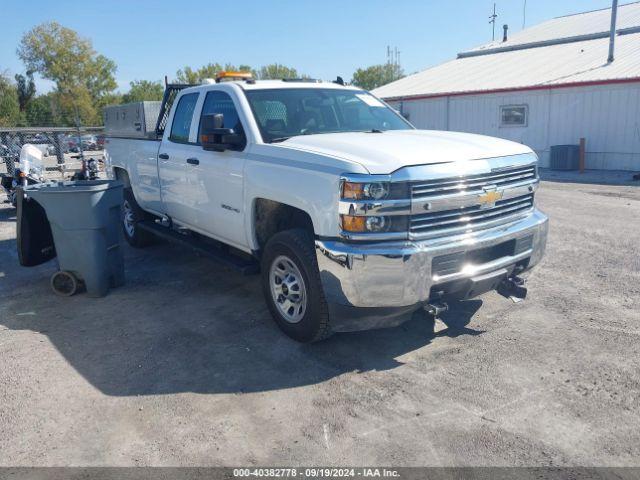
182	118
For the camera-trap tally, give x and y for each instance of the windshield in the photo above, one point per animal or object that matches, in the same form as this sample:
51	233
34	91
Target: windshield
286	112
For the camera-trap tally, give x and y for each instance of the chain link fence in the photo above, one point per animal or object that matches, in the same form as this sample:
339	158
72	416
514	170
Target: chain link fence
63	148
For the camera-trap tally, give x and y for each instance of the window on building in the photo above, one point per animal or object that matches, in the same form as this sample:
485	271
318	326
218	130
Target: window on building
182	118
514	115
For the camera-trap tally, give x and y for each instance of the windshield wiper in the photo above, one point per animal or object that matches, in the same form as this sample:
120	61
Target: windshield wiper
282	139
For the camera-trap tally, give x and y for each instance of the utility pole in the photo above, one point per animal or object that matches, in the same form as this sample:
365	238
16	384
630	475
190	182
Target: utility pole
524	14
612	34
492	20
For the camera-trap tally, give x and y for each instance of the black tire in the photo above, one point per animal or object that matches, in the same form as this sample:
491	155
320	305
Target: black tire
64	283
135	236
297	245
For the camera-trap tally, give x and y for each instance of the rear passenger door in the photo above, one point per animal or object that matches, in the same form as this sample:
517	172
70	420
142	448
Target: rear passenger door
176	150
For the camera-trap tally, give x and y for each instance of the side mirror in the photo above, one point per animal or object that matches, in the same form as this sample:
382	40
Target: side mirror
214	137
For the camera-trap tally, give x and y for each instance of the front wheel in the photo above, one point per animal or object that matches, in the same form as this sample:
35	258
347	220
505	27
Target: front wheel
292	287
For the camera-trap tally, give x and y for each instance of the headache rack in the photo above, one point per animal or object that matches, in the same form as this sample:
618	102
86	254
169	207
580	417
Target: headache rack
171	91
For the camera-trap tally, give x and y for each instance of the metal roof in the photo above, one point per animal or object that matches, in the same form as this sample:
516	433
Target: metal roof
569	26
556	52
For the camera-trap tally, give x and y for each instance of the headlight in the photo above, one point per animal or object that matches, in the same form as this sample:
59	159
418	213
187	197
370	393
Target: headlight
374	207
365	191
374	191
374	224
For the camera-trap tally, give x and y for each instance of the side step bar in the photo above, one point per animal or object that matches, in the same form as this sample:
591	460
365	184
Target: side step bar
217	253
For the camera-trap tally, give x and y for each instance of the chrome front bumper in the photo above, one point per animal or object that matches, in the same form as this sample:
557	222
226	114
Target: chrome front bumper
399	274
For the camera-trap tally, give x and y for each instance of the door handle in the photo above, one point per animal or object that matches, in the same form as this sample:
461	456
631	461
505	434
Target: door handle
193	161
163	156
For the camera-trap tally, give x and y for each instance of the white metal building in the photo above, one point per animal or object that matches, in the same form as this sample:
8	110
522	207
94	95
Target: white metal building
550	84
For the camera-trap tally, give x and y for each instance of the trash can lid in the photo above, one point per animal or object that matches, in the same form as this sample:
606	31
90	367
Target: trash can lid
74	186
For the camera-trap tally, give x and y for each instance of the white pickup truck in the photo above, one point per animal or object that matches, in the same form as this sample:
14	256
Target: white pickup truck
354	218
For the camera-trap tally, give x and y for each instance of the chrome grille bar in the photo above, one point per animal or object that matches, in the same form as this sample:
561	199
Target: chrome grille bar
437	224
425	189
469	215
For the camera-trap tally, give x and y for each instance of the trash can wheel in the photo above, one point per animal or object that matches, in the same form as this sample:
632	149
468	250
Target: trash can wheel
64	283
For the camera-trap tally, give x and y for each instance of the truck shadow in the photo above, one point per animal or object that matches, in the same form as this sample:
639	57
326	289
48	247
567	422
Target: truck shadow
182	324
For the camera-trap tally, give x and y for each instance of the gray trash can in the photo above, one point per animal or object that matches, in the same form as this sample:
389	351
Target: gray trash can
85	222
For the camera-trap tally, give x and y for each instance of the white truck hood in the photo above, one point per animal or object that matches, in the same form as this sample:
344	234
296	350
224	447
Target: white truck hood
382	153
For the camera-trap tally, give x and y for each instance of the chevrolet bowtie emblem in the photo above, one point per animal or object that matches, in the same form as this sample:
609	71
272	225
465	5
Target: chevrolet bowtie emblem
489	198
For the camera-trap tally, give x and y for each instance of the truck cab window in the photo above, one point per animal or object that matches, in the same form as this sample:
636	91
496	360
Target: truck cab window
182	118
220	102
286	112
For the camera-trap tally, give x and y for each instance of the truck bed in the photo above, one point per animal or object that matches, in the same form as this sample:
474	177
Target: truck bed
139	157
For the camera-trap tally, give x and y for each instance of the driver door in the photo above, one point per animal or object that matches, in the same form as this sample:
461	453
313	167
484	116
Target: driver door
220	208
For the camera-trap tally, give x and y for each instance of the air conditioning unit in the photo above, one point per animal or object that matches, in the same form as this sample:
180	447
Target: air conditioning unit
565	157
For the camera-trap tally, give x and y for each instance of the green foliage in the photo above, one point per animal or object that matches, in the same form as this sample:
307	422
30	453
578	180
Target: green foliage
210	70
26	89
142	90
84	80
82	76
41	112
9	105
376	75
277	71
110	99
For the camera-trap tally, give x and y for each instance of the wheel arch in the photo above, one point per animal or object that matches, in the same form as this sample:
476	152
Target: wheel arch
269	217
121	174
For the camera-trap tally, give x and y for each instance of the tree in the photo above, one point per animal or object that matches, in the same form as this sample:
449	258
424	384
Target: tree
377	75
210	70
41	111
9	105
277	71
142	90
82	76
26	89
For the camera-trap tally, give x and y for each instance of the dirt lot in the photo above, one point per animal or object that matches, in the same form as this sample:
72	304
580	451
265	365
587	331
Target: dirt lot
184	366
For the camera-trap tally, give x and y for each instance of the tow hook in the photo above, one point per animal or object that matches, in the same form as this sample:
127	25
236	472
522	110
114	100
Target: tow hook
513	288
434	310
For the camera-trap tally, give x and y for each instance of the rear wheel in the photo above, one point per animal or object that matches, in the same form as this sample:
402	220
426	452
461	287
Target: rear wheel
132	215
64	283
292	287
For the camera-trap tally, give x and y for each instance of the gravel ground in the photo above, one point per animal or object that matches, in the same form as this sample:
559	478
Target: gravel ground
184	366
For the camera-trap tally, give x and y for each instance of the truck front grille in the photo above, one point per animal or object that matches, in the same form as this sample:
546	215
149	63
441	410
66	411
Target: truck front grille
463	220
472	183
443	221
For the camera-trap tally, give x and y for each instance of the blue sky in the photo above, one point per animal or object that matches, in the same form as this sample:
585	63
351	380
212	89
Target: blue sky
322	38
